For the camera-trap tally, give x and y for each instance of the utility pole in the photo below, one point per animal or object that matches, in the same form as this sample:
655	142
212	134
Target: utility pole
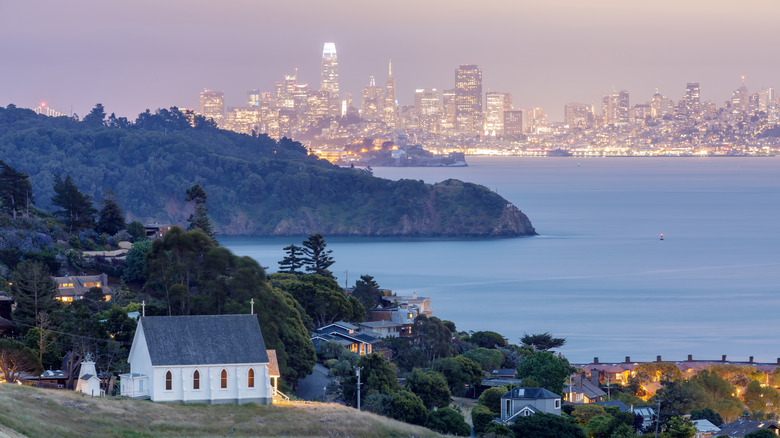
657	418
357	372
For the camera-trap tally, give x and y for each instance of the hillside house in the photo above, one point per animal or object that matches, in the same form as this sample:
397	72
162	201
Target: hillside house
347	335
525	402
75	286
199	359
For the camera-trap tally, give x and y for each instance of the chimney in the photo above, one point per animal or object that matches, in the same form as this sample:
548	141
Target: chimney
750	359
658	358
724	358
690	358
628	359
595	377
596	360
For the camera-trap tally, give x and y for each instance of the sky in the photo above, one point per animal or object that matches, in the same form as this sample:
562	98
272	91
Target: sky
131	55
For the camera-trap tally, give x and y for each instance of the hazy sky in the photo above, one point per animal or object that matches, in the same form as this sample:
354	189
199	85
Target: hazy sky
136	54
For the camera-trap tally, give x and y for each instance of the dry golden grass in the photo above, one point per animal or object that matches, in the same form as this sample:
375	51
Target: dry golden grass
47	413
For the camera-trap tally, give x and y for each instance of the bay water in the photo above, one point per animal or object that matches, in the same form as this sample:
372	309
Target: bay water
598	274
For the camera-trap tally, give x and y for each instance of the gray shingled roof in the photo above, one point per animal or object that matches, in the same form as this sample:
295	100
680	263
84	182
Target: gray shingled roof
204	340
530	393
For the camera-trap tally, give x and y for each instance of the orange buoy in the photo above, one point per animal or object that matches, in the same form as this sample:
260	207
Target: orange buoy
662	236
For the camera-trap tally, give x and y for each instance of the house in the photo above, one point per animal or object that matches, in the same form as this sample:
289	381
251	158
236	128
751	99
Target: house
504	373
74	287
704	428
403	316
88	382
382	329
156	231
581	390
647	413
421	304
347	335
525	402
199	359
741	427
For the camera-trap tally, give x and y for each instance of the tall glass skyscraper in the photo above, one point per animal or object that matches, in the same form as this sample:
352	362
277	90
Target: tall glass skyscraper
330	69
468	99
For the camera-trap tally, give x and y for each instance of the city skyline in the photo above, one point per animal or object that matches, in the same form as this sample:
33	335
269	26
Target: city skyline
545	55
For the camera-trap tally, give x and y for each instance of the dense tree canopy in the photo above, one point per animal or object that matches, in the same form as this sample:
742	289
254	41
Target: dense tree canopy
33	290
76	209
110	219
15	190
549	370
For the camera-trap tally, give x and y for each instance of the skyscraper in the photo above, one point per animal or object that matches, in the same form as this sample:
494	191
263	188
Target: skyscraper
212	105
495	105
391	106
614	108
468	99
513	122
330	69
578	115
691	103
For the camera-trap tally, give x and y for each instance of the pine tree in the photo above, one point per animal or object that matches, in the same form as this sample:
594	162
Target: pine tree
316	257
293	261
77	210
199	219
15	190
34	292
111	219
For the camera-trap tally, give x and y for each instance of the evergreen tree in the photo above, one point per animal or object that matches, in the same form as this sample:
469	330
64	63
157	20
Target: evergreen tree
96	118
15	190
111	219
199	219
137	231
293	261
76	208
316	257
367	291
34	291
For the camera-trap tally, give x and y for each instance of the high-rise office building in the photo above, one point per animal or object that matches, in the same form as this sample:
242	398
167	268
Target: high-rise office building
615	108
253	97
330	69
450	108
427	109
513	122
740	100
691	103
537	118
468	99
495	106
212	105
766	99
373	101
579	115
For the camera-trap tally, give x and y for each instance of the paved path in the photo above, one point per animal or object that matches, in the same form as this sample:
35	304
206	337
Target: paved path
313	386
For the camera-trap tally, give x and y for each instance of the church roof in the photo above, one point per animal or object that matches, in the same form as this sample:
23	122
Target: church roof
204	339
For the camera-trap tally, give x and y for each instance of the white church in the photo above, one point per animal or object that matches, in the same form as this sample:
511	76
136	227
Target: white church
199	359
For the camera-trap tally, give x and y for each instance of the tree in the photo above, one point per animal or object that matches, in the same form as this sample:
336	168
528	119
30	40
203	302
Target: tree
377	376
584	413
293	261
316	257
15	190
136	260
459	371
430	386
76	208
487	339
137	231
491	398
110	219
680	427
367	291
15	359
447	421
679	397
408	407
96	118
623	431
707	414
481	417
761	433
34	291
549	370
488	359
433	337
199	219
542	341
542	425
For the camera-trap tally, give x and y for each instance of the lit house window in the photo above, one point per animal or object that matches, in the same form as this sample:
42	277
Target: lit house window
196	380
251	379
168	381
223	380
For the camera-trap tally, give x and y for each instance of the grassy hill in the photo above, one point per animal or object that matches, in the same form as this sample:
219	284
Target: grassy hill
47	413
255	185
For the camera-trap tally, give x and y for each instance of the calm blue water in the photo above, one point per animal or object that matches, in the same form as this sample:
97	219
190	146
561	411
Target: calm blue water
598	273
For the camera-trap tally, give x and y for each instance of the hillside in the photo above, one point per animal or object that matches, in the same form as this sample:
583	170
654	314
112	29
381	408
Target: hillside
46	413
255	185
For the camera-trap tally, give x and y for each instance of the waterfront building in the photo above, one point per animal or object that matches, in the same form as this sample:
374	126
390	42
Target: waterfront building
495	106
468	99
212	105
